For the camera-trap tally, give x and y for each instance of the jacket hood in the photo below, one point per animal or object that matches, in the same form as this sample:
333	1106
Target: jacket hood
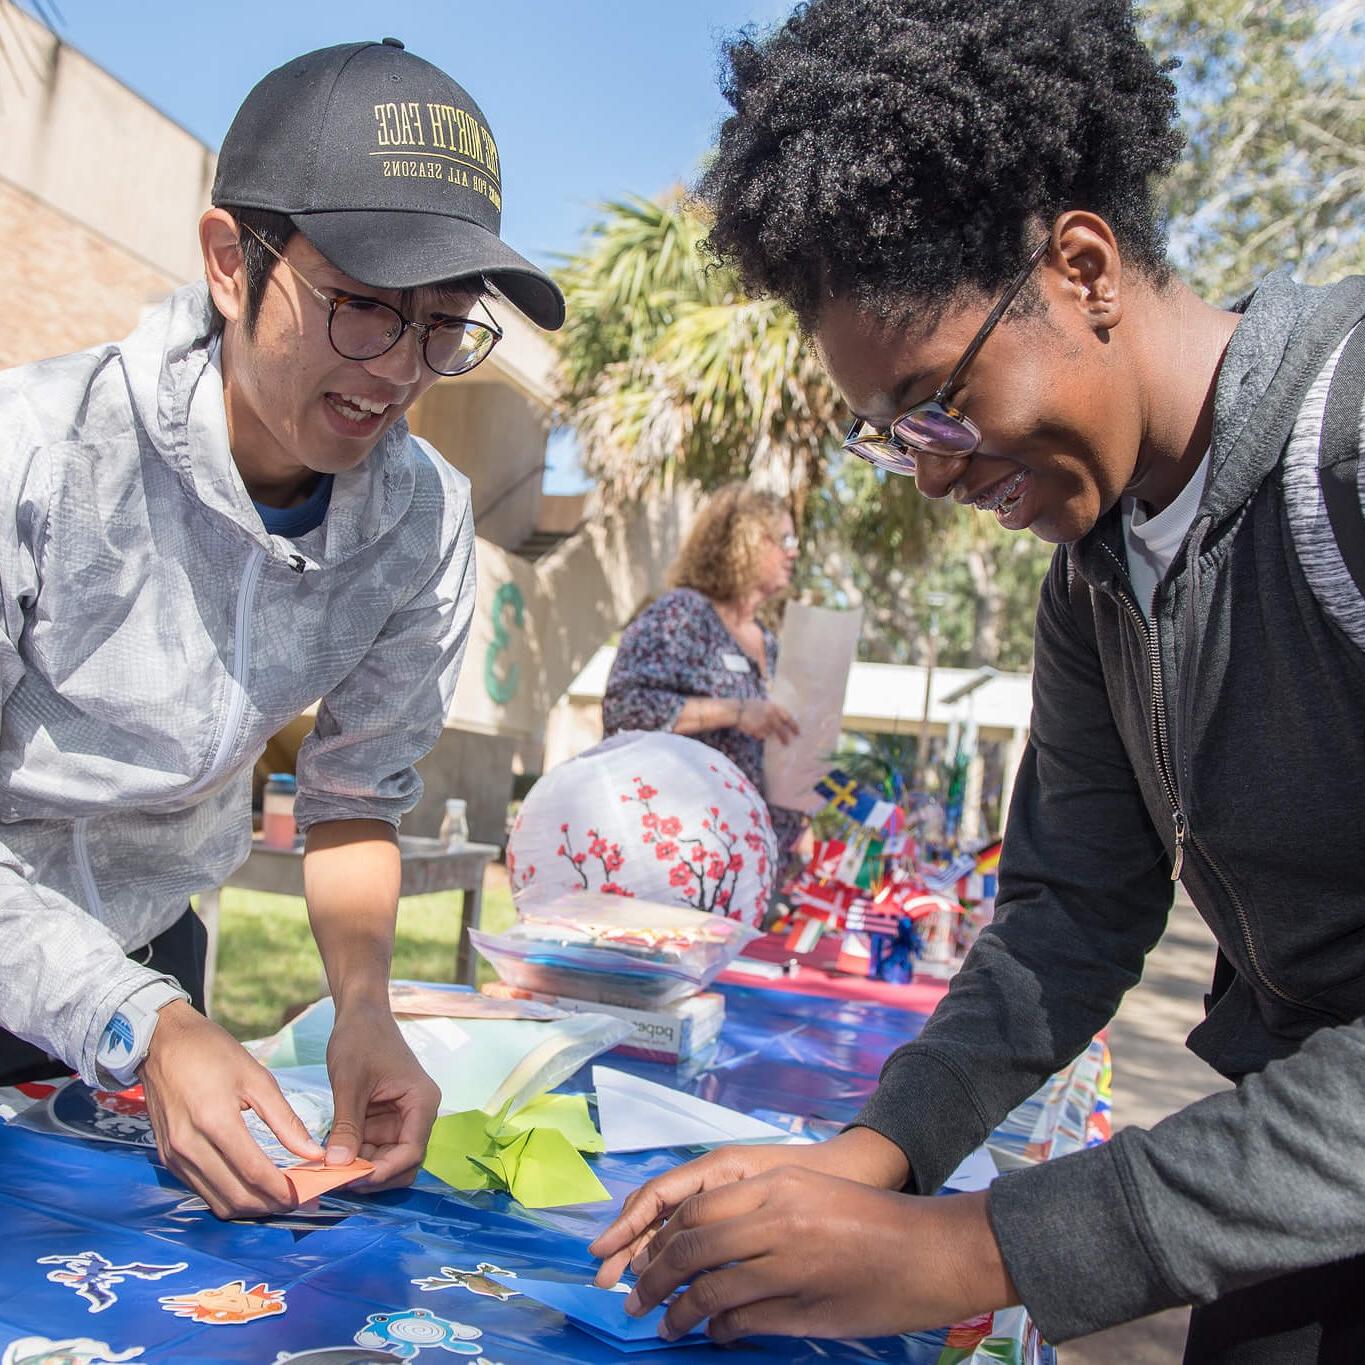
1275	319
1269	361
177	395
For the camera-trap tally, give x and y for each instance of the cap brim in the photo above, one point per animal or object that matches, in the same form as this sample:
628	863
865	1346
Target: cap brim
390	249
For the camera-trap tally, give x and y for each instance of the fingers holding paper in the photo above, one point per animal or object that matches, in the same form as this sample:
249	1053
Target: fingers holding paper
767	720
788	1252
627	1241
198	1080
385	1104
857	1154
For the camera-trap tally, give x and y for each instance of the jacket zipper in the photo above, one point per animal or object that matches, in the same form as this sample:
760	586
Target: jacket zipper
1160	739
93	904
241	663
1183	833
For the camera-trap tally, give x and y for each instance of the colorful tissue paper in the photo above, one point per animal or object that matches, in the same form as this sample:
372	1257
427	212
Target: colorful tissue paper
567	1113
538	1165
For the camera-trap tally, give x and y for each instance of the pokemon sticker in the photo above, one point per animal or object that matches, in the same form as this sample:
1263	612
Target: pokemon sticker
476	1281
409	1333
228	1305
93	1278
67	1351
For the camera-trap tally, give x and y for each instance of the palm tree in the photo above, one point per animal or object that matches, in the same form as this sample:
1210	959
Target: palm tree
19	64
668	370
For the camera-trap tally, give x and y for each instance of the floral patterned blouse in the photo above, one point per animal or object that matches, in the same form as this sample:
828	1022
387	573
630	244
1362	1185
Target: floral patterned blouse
677	648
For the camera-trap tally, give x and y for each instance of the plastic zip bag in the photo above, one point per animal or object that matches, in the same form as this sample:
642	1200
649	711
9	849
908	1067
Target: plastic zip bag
614	949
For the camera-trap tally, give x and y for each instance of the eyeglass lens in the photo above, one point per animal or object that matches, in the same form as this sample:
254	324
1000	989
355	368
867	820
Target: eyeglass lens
933	430
928	429
362	329
883	453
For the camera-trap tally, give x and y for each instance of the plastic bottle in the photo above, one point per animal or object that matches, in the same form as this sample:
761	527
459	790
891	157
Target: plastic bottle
455	825
277	811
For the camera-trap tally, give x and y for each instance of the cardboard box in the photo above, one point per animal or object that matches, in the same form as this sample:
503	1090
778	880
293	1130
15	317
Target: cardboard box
674	1033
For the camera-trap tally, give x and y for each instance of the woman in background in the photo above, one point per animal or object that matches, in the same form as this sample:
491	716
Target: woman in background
698	660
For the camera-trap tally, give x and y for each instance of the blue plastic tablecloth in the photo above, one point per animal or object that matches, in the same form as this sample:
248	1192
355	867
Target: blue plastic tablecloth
354	1268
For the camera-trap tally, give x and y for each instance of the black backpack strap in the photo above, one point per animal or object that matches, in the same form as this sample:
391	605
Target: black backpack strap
1339	456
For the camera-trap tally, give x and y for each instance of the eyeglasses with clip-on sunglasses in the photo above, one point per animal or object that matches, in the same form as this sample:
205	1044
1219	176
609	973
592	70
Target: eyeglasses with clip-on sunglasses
361	328
935	427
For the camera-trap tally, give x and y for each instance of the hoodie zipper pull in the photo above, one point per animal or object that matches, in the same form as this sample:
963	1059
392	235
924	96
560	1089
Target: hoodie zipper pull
1180	831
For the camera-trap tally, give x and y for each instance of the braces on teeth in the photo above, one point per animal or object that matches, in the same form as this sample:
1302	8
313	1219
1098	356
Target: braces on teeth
1010	489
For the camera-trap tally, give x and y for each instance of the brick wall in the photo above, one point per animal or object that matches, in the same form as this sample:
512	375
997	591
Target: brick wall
64	286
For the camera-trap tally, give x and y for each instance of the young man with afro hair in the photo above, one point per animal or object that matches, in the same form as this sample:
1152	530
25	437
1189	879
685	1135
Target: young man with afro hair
955	197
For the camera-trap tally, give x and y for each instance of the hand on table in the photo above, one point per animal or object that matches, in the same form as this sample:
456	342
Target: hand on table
797	1252
198	1080
767	720
858	1154
384	1102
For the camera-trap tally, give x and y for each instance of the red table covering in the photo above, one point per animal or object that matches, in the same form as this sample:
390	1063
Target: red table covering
815	975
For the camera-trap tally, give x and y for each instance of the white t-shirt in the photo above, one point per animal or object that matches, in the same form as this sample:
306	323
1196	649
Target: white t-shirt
1151	542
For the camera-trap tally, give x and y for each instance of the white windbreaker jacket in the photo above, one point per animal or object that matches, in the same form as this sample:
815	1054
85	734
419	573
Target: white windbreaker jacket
153	636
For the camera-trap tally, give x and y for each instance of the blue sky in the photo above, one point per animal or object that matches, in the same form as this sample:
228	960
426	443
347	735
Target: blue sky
589	99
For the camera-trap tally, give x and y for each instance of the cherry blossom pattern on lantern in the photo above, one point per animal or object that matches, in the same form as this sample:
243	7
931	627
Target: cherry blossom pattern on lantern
706	862
607	854
518	875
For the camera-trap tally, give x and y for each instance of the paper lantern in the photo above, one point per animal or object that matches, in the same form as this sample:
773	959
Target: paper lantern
651	815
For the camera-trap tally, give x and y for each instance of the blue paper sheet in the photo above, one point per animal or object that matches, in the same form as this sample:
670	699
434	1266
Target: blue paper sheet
600	1312
408	1272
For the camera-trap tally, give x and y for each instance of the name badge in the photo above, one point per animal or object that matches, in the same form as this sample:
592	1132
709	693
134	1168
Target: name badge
736	663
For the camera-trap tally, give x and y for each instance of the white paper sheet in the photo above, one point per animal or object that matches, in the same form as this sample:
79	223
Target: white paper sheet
477	1063
975	1173
815	654
636	1115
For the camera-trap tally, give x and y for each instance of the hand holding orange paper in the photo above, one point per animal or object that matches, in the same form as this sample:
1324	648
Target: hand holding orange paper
310	1179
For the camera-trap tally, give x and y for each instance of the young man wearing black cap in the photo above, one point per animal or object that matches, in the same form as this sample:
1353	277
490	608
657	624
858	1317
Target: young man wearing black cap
216	522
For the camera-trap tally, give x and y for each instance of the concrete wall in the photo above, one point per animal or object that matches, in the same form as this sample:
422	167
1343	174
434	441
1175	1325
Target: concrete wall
42	252
570	602
562	513
76	138
496	436
99	197
575	724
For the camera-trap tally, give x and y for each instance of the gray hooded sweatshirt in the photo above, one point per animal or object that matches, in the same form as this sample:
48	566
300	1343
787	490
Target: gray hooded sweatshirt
1230	734
154	636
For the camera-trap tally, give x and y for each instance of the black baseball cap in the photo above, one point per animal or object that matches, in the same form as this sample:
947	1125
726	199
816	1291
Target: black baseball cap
386	166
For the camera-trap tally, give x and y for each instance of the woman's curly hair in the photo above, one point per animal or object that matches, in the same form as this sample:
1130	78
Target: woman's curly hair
896	151
721	553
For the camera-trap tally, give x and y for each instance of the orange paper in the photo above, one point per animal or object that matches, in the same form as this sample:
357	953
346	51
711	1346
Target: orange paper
310	1179
424	1000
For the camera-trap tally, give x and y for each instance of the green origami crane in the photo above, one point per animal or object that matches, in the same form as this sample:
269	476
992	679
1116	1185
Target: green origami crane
533	1154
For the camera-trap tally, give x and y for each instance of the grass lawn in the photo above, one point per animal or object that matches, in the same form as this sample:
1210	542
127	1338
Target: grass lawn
267	961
